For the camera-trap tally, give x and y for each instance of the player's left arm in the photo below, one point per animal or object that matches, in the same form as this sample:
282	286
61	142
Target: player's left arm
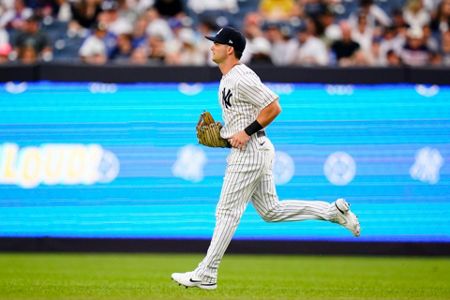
265	117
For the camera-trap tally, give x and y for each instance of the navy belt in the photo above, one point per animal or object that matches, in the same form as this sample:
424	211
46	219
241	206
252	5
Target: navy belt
261	133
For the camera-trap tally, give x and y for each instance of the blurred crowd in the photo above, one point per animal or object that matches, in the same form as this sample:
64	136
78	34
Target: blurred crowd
278	32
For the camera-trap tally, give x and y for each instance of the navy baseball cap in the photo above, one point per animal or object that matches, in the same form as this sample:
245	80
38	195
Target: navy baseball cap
229	36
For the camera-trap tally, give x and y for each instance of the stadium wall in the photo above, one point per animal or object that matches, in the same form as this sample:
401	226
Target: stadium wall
236	246
432	240
132	74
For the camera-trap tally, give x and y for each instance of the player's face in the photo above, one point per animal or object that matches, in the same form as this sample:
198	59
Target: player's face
219	52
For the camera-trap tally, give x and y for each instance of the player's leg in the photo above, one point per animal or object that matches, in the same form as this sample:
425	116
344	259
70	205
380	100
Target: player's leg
239	184
267	204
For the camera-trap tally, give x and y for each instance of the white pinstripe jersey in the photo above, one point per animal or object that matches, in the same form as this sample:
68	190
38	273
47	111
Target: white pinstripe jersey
242	96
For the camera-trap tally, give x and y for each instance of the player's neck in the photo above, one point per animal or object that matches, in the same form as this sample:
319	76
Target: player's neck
227	65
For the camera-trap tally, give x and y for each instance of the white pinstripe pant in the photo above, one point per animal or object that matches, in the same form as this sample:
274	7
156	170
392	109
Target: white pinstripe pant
249	177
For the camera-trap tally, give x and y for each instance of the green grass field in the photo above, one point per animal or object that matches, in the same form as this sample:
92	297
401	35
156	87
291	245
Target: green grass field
147	276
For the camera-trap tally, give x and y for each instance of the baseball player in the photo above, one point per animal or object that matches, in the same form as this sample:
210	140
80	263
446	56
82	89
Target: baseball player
248	106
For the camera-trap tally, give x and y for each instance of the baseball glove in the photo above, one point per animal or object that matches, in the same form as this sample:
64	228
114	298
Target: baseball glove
208	132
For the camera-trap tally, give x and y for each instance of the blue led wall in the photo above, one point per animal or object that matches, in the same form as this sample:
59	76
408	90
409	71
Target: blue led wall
112	160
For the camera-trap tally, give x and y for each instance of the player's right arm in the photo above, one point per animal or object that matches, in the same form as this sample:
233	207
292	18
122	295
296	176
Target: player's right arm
265	117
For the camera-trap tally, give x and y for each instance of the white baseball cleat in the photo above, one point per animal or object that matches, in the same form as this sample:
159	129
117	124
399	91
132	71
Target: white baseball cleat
346	217
190	280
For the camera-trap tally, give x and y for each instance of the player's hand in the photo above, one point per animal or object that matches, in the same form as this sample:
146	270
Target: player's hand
239	140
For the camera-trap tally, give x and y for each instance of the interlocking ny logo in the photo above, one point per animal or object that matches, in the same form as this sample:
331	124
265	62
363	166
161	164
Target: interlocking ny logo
226	98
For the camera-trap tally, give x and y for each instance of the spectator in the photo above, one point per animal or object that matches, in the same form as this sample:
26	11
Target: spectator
398	22
393	59
157	25
128	11
415	52
123	49
202	6
37	5
328	30
188	53
74	29
15	17
6	5
5	51
114	23
27	55
415	14
363	34
313	8
359	58
85	12
435	59
346	47
139	35
283	47
32	37
139	56
391	42
62	10
141	5
441	22
311	50
93	50
277	10
158	35
445	49
156	49
431	5
430	40
375	15
67	46
252	28
169	8
374	57
4	36
261	50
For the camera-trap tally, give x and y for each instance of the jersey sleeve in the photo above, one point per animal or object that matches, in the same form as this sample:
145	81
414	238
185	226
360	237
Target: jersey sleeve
252	90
